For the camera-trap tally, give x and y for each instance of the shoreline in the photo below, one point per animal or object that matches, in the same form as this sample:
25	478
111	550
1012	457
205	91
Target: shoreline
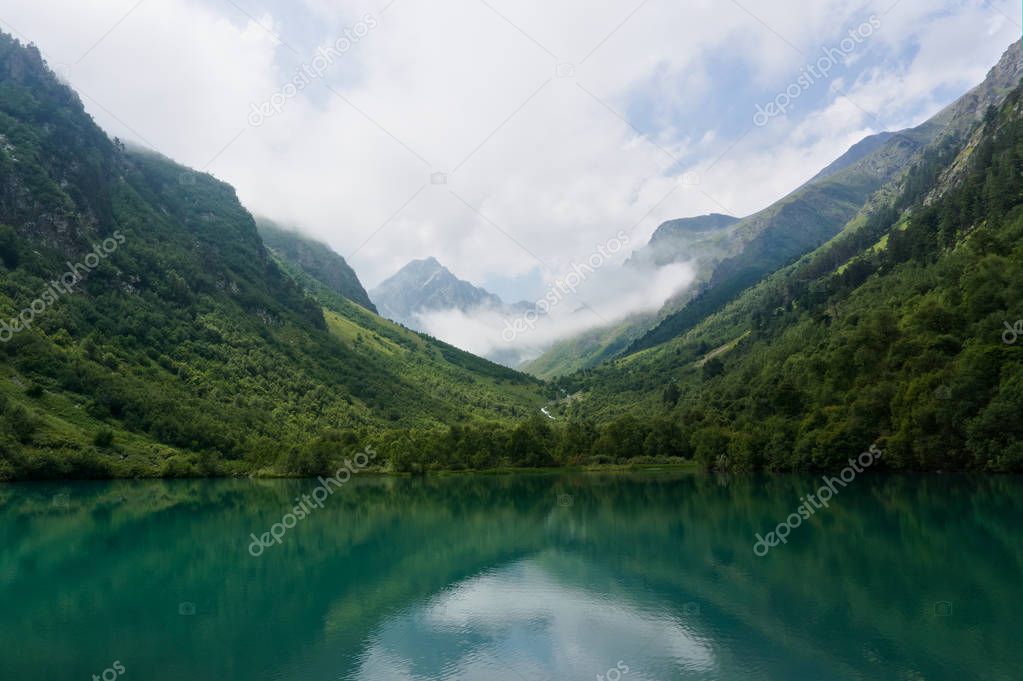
381	472
681	467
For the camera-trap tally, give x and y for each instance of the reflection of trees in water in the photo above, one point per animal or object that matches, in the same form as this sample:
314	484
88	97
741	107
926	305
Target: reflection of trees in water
867	571
113	563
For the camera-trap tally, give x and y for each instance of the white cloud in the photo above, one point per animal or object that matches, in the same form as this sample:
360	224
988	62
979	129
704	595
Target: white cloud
601	299
447	80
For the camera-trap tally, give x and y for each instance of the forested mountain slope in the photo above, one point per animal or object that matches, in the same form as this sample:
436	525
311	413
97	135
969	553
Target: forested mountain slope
161	335
901	331
700	241
820	209
315	258
736	256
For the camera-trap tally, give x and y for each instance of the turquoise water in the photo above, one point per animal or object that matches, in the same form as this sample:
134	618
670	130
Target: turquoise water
620	577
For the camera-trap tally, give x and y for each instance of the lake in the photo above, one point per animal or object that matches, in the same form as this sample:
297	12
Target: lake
630	576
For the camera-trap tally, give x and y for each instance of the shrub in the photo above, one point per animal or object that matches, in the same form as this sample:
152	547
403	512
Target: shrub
104	438
19	424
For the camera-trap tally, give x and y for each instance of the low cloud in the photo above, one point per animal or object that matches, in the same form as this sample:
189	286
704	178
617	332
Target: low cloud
603	299
549	125
553	123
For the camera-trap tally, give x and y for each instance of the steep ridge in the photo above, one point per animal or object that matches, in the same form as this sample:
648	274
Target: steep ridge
902	331
148	331
701	241
685	239
735	256
738	253
315	258
861	149
820	209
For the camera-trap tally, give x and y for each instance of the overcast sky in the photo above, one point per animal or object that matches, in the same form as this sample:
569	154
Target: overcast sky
555	123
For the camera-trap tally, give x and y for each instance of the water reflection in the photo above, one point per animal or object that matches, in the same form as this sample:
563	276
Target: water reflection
496	577
535	620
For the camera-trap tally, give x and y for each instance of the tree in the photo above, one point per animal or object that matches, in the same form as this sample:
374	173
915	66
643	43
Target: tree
713	368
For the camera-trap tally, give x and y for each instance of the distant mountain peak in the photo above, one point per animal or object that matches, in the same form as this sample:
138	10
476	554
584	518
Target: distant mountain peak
425	285
422	264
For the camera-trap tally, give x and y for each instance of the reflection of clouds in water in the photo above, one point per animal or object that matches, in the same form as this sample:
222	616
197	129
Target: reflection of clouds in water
520	621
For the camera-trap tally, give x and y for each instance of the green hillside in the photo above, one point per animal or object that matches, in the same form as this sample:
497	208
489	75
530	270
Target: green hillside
588	348
736	256
146	329
820	209
796	225
892	332
315	258
701	241
183	347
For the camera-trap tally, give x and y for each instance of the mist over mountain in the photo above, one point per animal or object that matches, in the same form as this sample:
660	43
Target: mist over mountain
725	255
700	238
425	286
195	339
731	255
146	329
894	331
426	296
819	210
742	402
317	259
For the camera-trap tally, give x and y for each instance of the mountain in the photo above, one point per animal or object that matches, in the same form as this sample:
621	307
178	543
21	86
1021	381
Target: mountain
589	348
902	331
685	239
860	150
732	254
145	329
818	210
701	241
798	223
737	255
317	259
424	286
